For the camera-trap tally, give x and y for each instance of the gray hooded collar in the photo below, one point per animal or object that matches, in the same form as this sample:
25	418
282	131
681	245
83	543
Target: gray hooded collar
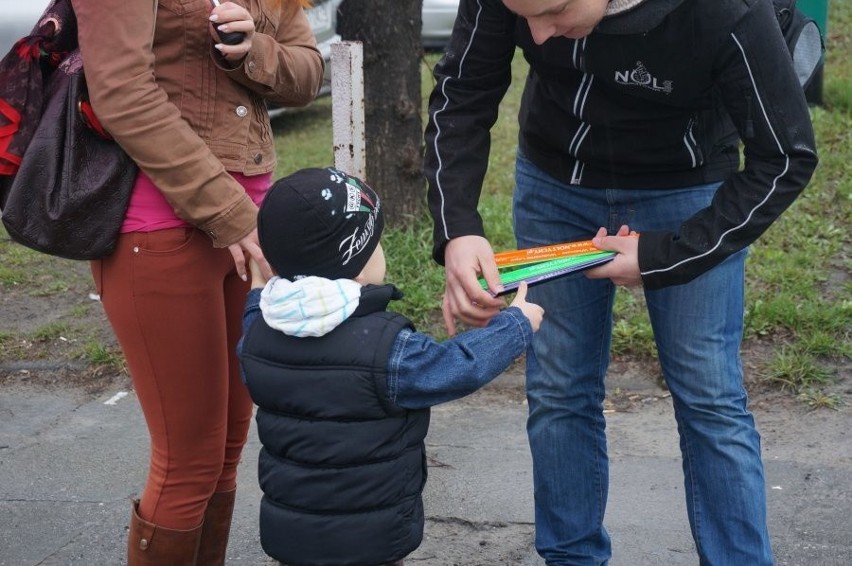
635	16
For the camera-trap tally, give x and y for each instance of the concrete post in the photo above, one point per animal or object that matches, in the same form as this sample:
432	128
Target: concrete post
347	107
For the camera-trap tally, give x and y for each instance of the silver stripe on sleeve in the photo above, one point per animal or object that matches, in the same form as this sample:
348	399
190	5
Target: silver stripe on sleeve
687	137
774	181
438	127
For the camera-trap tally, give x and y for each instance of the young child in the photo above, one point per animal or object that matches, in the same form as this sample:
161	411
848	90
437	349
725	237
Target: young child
343	386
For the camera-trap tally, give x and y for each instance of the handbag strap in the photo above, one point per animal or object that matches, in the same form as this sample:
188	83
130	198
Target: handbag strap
9	162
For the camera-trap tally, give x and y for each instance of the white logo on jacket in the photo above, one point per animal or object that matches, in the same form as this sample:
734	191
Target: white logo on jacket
641	77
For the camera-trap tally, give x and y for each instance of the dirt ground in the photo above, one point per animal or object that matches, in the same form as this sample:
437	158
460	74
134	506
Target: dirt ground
51	330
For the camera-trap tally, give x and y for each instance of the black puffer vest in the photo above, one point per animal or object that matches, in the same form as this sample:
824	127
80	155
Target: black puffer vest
342	468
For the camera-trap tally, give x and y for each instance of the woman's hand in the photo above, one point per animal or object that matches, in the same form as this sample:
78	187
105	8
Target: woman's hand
465	258
229	17
258	279
251	245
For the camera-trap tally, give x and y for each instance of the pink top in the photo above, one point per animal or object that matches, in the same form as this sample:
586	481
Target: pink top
149	210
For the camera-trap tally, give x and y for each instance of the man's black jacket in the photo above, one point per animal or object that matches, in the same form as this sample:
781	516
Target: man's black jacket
654	98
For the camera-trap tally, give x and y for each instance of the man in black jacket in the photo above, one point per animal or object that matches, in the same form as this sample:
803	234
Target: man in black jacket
632	115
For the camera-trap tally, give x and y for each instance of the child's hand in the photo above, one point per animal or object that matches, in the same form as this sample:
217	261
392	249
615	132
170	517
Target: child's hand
532	311
257	278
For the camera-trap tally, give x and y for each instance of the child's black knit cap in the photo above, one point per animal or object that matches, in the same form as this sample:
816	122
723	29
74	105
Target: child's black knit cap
319	222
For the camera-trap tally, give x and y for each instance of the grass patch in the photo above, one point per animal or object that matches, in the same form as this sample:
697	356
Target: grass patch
304	138
52	331
16	267
15	350
100	355
796	369
41	275
410	267
632	334
817	399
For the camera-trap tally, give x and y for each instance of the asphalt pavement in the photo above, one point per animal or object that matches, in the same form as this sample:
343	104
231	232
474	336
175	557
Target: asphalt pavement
70	461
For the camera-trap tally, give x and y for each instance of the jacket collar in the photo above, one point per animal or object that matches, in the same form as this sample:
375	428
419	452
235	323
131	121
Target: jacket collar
375	298
637	17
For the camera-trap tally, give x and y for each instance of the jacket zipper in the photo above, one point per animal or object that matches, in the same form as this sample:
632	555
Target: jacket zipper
749	122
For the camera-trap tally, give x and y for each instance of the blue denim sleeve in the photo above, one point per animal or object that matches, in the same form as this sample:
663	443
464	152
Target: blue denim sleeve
423	372
251	312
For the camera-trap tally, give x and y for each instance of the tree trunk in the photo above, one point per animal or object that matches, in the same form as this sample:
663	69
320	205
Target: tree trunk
390	33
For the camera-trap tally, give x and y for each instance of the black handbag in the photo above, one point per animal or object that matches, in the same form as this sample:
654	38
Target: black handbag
64	183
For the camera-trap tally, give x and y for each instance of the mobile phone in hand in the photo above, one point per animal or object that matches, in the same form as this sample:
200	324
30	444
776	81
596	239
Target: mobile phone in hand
231	37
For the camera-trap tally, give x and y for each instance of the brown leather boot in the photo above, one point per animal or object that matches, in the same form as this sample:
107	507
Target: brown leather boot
216	528
152	545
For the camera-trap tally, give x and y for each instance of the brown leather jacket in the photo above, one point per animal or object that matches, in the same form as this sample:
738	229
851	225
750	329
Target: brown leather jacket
179	109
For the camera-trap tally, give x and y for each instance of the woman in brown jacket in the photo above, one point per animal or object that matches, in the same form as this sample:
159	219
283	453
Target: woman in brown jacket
190	110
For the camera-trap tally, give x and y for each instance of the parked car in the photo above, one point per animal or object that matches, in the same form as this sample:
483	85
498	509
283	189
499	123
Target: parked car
18	20
323	18
438	18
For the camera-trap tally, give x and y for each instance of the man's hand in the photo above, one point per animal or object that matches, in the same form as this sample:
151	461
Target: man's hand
624	269
465	258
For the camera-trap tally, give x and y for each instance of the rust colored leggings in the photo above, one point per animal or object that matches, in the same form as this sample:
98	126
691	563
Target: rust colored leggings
175	304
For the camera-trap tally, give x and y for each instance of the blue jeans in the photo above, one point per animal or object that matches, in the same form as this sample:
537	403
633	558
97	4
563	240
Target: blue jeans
697	328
